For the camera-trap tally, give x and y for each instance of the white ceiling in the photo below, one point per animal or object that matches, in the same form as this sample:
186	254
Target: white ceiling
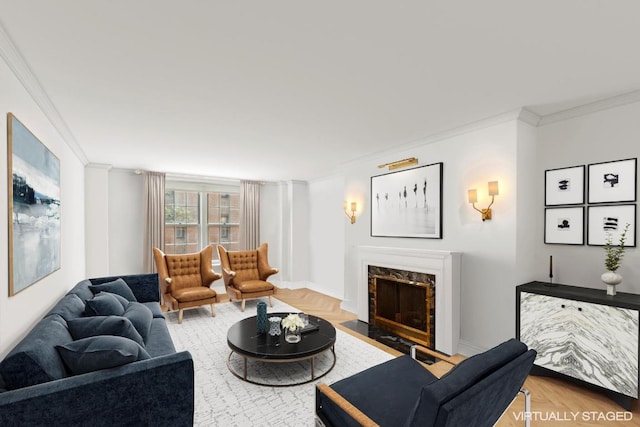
292	89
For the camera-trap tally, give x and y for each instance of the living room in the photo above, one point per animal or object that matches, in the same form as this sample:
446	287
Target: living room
310	239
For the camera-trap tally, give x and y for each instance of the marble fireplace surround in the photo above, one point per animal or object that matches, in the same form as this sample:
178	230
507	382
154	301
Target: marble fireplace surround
445	265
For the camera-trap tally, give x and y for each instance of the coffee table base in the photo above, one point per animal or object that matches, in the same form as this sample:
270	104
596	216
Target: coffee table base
243	375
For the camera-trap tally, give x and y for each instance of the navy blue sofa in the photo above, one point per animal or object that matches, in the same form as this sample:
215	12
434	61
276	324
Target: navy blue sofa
401	392
38	387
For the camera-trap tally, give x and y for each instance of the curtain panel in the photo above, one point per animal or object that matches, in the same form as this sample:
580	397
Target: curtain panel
249	215
154	184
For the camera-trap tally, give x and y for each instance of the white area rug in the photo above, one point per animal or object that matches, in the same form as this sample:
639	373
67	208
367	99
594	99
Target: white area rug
222	399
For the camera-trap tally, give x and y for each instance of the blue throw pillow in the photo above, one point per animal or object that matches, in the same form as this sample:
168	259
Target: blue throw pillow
104	305
141	318
122	300
118	286
101	352
84	327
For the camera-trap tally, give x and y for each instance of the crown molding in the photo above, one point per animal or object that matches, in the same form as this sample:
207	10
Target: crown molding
25	76
520	114
592	107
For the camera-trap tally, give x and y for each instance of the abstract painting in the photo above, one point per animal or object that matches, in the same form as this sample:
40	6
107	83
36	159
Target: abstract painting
611	182
564	186
408	203
564	226
34	206
610	221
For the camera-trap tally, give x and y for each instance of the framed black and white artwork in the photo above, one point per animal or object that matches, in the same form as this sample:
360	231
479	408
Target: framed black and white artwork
564	226
613	182
564	186
611	220
408	203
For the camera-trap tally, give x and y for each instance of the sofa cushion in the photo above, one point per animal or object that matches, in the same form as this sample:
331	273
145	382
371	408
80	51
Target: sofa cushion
84	327
35	360
140	316
100	352
155	308
82	290
104	304
69	307
118	286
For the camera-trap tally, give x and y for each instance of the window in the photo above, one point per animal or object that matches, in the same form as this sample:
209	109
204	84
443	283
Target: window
194	219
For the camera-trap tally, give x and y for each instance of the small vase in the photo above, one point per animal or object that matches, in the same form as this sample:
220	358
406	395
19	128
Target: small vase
292	335
274	326
261	319
611	279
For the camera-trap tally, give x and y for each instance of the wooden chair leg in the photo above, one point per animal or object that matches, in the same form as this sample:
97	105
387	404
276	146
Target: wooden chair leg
270	302
180	312
213	311
242	306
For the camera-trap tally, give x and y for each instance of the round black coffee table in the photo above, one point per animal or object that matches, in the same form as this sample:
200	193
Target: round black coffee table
245	341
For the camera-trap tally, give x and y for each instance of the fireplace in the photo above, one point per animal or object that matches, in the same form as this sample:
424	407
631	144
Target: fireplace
402	306
439	269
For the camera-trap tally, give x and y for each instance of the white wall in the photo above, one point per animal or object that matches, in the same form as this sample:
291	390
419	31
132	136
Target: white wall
601	136
126	222
96	184
327	226
20	312
489	249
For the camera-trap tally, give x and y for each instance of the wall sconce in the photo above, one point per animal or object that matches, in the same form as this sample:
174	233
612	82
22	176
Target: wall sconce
400	163
473	199
352	215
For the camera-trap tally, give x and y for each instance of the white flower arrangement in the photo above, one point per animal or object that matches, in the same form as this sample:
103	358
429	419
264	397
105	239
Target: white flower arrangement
292	322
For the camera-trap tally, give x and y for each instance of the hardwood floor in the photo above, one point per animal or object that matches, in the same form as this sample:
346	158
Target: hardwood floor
554	402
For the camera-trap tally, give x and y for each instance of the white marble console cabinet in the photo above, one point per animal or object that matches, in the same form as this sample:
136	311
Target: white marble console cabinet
583	334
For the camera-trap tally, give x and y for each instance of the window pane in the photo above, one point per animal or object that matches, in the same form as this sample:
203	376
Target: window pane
192	214
183	211
181	198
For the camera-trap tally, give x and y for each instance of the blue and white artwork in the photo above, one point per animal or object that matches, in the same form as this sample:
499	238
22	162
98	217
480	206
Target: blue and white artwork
34	200
408	203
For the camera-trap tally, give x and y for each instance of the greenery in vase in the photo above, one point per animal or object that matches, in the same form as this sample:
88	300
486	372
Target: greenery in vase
615	252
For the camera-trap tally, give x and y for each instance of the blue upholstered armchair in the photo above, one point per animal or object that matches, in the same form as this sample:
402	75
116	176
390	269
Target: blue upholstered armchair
401	392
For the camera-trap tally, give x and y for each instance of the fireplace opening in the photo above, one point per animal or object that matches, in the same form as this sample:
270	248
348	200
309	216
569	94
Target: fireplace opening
405	308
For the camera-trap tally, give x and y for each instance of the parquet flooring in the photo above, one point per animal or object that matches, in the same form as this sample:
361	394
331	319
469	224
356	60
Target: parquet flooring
554	402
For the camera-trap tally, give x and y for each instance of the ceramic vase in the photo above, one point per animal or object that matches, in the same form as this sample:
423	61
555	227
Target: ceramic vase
611	279
261	319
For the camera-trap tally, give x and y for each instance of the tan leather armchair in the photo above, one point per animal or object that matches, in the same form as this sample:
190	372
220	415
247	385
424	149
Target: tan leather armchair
245	274
185	280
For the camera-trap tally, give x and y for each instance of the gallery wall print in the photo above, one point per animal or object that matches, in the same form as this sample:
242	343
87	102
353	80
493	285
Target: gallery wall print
613	182
408	203
34	207
564	225
611	219
564	186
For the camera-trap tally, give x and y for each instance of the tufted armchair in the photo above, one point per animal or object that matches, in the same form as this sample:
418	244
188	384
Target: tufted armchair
185	280
245	273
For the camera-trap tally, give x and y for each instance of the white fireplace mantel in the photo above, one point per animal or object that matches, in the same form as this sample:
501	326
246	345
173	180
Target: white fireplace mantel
445	265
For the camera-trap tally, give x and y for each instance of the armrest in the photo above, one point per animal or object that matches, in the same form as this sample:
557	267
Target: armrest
153	388
440	356
229	273
347	407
